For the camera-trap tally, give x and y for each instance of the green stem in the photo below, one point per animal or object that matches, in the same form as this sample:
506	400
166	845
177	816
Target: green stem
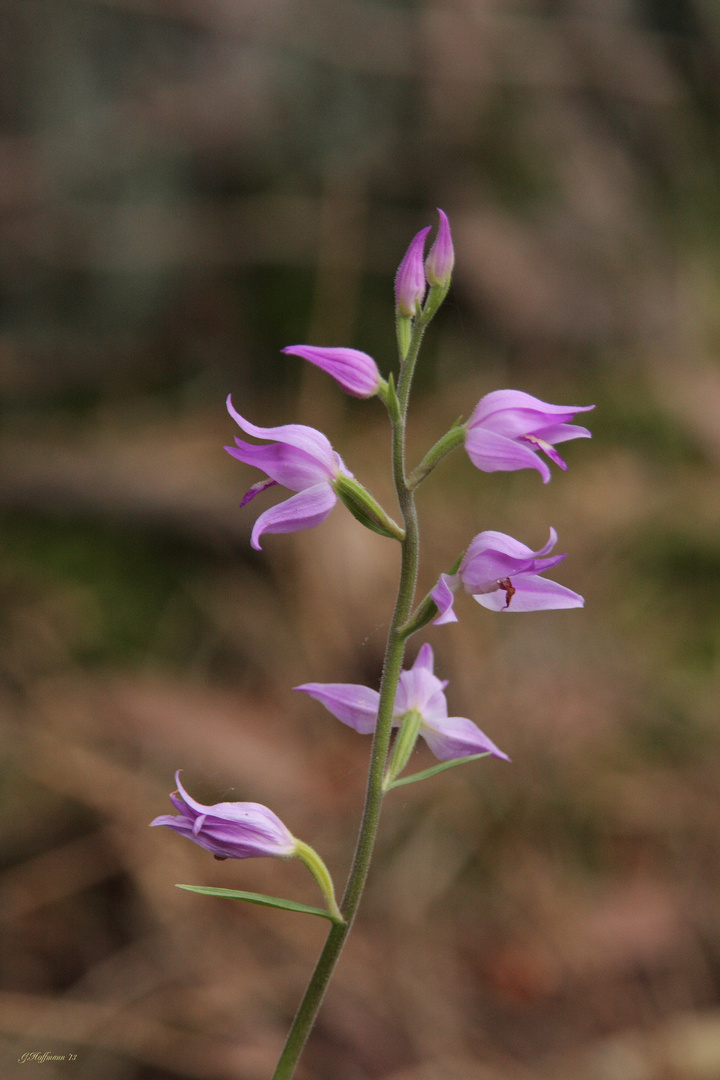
441	449
394	655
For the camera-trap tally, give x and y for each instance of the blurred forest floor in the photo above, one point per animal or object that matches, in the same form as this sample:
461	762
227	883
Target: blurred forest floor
186	187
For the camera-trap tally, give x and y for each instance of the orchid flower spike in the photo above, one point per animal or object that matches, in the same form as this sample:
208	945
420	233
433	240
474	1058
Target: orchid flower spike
356	372
229	830
410	281
509	427
504	575
419	690
302	460
441	258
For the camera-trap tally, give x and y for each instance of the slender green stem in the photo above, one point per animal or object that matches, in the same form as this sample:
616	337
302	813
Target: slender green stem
441	449
407	367
394	655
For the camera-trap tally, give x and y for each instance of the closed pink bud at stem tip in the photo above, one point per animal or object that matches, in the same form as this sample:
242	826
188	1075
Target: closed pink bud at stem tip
441	259
410	282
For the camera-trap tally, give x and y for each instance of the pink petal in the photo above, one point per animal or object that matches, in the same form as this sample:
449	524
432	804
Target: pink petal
425	658
420	689
455	737
557	433
492	555
302	511
495	453
304	438
285	464
441	258
188	799
443	596
410	281
354	705
513	401
354	370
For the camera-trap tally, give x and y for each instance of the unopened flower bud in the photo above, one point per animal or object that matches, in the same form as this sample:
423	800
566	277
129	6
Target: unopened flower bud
410	282
356	372
441	259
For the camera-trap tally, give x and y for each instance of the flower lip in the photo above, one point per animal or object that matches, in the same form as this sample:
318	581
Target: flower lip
355	371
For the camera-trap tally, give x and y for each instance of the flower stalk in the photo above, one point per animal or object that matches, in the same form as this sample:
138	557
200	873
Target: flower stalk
375	792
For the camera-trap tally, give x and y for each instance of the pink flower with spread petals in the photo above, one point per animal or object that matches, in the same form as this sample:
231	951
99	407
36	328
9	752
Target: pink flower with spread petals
420	690
229	830
410	284
504	575
356	371
302	460
509	427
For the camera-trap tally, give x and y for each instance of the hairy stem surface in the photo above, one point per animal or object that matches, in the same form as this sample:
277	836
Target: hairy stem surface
394	655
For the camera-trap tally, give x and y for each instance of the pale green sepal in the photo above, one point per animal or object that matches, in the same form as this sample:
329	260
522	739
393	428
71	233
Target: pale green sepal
365	508
426	773
403	329
260	898
388	396
403	748
393	405
436	295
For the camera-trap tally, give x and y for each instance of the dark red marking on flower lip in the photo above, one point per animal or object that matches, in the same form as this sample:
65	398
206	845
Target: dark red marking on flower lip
510	590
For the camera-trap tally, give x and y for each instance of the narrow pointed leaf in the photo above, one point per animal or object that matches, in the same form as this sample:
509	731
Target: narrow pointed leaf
435	769
259	898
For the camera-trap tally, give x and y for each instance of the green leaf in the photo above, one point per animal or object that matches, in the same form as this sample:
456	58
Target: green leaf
435	769
259	898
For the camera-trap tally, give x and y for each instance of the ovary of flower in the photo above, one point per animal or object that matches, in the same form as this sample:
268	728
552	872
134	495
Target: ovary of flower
508	428
229	830
302	460
419	689
504	575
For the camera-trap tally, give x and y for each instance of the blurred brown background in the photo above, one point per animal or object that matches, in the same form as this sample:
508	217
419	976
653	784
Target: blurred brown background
186	186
